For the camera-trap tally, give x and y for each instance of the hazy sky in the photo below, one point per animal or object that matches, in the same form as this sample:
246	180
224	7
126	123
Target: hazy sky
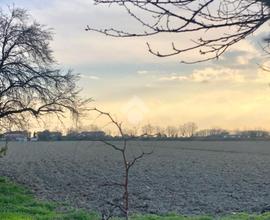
123	78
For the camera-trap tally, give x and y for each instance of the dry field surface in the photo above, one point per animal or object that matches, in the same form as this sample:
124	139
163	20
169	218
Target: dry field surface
184	177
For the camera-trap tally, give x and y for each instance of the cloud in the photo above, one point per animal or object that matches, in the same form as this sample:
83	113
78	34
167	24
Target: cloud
208	75
245	46
211	75
174	78
142	72
92	77
241	58
243	55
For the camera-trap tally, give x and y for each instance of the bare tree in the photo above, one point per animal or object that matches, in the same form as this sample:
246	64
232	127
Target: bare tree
30	85
213	132
148	130
192	127
217	132
132	132
183	130
122	148
219	23
172	131
94	127
159	131
188	129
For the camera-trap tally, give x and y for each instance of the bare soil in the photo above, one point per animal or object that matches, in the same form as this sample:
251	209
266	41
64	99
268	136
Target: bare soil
184	177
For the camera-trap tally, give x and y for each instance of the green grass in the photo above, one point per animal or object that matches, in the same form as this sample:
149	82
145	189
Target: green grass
17	203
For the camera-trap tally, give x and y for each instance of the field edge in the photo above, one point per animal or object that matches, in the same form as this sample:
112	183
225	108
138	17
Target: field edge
18	203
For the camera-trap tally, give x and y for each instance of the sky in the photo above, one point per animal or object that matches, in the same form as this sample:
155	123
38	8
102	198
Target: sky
138	88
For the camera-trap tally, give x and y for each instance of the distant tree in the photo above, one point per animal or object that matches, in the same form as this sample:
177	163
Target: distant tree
253	134
172	131
188	129
72	134
47	135
213	132
214	25
217	132
30	85
108	132
148	129
44	135
94	128
183	130
159	131
132	132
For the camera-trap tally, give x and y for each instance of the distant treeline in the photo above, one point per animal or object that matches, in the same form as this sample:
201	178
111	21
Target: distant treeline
170	133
